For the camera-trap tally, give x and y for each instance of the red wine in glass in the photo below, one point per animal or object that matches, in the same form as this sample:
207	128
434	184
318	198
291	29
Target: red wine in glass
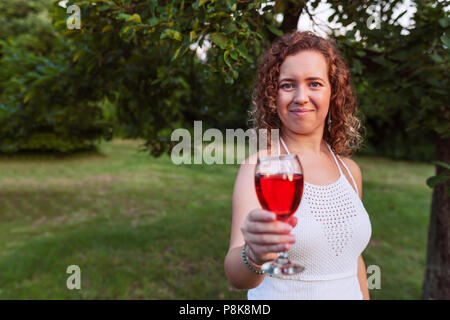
279	187
280	193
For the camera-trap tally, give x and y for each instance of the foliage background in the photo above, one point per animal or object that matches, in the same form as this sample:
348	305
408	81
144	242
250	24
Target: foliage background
129	70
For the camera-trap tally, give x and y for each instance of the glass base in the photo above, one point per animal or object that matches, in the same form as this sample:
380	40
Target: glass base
281	266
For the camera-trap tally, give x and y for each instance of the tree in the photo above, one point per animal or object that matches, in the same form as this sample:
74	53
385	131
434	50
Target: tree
141	51
43	103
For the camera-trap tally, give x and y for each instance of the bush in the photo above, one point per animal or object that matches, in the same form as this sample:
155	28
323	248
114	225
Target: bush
45	103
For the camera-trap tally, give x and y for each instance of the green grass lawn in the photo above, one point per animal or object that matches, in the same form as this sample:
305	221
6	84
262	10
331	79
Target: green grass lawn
143	228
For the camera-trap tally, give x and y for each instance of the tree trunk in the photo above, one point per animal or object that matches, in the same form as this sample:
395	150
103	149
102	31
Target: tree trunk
437	274
291	15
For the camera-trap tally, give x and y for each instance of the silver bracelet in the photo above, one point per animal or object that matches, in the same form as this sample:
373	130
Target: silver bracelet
249	266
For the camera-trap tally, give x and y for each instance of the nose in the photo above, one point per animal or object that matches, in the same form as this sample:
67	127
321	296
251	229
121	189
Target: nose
301	95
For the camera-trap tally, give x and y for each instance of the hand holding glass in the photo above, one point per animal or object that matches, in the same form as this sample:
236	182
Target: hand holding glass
279	186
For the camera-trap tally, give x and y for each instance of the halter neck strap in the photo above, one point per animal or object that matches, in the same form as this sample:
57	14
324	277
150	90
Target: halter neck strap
284	145
329	148
335	160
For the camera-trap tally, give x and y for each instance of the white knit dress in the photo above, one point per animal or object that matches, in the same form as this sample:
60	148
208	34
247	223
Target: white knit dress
332	231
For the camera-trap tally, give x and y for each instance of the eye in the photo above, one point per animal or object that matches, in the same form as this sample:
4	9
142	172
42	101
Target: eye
316	84
283	86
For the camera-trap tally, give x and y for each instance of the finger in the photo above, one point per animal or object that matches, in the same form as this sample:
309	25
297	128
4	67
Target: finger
292	221
269	239
276	227
269	256
263	251
262	215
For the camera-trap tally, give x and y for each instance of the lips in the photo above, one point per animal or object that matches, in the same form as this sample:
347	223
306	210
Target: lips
300	112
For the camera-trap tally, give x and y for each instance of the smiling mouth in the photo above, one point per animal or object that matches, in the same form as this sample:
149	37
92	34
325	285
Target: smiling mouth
299	112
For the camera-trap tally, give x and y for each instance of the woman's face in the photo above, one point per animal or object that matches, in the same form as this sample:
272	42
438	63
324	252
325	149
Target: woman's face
304	92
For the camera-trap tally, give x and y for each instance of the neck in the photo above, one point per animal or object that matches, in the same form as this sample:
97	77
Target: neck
303	144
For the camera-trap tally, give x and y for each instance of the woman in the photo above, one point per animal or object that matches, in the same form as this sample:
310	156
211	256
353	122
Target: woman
303	89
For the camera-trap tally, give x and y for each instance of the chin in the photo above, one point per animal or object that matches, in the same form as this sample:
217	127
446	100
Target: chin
301	129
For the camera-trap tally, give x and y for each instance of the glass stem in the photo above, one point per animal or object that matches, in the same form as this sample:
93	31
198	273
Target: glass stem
283	257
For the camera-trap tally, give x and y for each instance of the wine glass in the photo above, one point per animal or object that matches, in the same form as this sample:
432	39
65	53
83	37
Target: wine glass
279	186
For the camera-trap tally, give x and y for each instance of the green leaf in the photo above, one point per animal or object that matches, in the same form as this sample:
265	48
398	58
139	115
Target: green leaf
243	24
28	96
226	59
127	33
351	33
172	34
275	31
231	27
433	81
444	22
123	16
195	25
243	52
446	41
154	21
192	35
442	164
357	66
401	54
183	83
219	14
104	7
156	81
436	58
153	5
381	60
219	39
176	53
229	80
107	28
435	180
234	73
77	56
136	18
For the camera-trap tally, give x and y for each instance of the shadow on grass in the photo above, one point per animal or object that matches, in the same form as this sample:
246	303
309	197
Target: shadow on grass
170	258
93	151
180	255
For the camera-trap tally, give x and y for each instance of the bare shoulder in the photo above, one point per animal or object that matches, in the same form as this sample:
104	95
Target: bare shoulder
251	160
355	170
352	166
244	182
249	164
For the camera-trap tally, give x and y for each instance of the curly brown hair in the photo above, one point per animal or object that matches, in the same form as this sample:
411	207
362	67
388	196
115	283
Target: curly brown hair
344	136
